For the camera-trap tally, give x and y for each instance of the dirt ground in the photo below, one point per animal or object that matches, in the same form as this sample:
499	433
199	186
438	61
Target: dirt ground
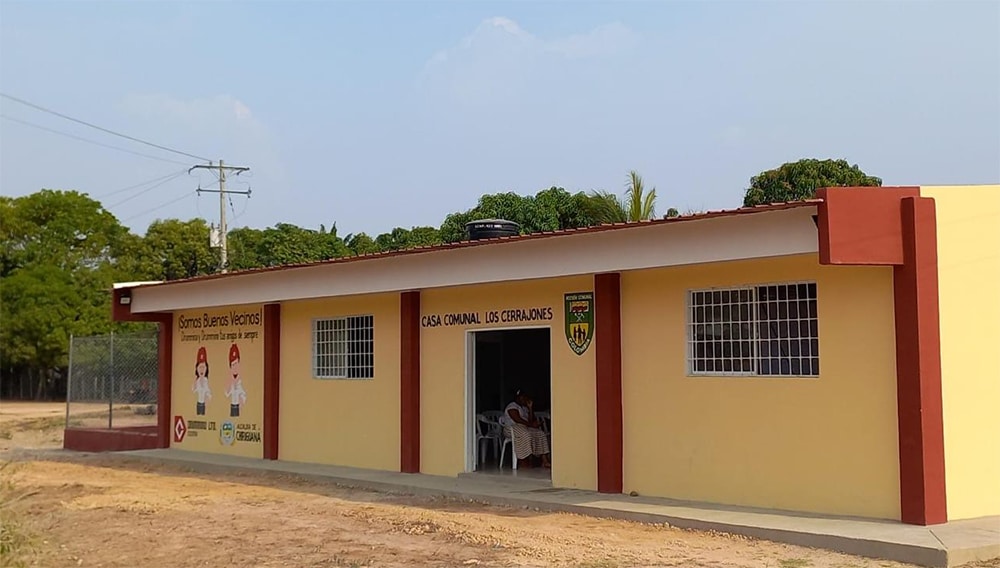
112	511
39	425
31	425
17	410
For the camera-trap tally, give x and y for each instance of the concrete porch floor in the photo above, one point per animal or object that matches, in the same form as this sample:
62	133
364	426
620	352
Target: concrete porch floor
951	544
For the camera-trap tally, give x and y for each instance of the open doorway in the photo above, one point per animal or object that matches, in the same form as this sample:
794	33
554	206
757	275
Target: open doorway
503	362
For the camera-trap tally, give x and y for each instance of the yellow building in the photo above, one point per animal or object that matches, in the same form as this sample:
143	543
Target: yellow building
831	356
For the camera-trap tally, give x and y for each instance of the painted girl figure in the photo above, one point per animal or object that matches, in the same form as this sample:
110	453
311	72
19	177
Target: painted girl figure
200	387
237	396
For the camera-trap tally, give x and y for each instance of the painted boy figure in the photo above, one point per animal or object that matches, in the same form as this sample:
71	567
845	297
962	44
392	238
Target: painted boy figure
237	396
200	387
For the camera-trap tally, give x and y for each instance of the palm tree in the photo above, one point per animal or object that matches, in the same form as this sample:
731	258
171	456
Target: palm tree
637	204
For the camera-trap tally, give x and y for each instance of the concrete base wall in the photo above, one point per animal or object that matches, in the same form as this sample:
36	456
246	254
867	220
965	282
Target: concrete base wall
110	439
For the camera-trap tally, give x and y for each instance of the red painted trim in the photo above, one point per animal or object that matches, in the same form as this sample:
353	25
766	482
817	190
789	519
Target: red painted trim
861	225
111	439
119	311
272	378
896	227
409	382
608	343
918	368
123	312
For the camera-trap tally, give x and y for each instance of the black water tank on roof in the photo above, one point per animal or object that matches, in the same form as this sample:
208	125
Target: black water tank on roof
491	229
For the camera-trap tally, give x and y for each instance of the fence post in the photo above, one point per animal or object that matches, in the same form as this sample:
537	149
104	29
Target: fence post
111	382
69	381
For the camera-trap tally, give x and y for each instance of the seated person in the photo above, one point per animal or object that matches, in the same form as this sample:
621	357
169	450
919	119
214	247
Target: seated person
529	439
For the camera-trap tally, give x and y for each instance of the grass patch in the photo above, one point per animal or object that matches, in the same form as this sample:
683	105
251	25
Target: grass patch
793	563
17	545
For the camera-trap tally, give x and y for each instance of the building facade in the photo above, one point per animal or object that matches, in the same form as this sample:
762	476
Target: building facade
829	356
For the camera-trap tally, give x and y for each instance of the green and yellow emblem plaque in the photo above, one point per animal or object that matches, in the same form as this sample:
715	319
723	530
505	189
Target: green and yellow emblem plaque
579	320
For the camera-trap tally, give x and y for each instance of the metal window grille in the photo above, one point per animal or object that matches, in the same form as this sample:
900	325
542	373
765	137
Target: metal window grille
768	330
344	348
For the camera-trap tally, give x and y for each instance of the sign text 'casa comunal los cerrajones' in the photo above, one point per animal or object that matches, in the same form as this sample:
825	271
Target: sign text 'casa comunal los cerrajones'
515	315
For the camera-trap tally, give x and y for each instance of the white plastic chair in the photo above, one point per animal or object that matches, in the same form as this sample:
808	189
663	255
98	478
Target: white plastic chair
493	414
508	440
487	430
546	420
544	417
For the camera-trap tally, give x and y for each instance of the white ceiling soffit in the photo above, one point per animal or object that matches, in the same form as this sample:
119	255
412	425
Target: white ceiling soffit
120	285
757	235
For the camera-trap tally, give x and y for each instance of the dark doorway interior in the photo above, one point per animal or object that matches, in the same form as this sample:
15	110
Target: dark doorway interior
506	361
510	360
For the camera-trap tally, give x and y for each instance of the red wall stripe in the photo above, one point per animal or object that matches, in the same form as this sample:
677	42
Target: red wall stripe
608	336
272	378
165	346
409	382
918	369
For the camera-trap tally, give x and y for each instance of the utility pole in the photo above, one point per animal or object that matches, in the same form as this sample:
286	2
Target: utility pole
222	191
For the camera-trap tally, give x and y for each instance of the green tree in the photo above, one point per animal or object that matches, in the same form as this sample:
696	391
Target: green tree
244	244
799	180
424	237
453	227
361	243
41	306
399	238
283	244
549	210
62	251
67	229
572	210
174	249
288	244
638	204
9	253
328	244
509	206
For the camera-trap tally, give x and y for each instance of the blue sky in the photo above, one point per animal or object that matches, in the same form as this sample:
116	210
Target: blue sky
381	114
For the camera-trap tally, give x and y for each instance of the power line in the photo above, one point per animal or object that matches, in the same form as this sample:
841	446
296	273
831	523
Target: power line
101	128
89	141
158	207
147	190
124	189
232	207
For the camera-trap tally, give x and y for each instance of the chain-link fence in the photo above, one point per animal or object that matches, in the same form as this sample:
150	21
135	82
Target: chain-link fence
112	381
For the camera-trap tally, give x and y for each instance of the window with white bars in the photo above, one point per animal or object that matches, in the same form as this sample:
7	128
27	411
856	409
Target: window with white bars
766	330
344	348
